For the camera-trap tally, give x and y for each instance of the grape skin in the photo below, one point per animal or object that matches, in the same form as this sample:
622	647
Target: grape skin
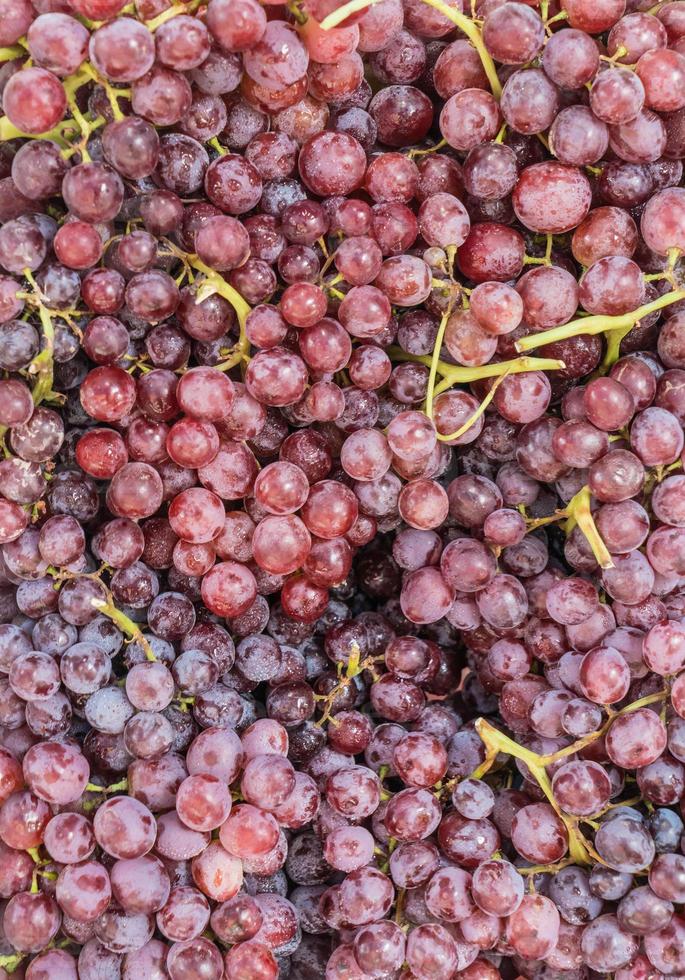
308	586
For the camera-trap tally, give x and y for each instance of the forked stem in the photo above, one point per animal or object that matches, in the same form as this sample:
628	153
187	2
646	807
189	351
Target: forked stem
495	742
346	673
465	24
578	511
598	324
472	419
107	608
173	11
457	374
214	282
581	743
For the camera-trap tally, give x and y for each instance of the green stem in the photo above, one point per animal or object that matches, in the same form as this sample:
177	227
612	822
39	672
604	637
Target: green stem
435	359
598	324
550	869
614	340
474	35
472	419
495	742
171	12
233	361
126	625
221	150
297	11
10	132
586	740
342	13
464	24
215	283
11	54
578	512
553	20
451	252
10	963
112	94
431	149
119	787
43	363
456	374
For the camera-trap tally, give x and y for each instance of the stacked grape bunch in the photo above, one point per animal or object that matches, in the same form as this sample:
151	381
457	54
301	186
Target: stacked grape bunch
342	513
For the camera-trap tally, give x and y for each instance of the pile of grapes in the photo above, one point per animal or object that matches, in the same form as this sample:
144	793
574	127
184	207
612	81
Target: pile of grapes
342	504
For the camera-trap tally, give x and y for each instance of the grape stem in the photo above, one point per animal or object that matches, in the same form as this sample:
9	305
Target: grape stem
465	24
457	374
454	374
342	13
431	149
215	283
472	419
214	142
77	121
10	963
11	54
578	512
296	10
430	388
580	850
399	910
119	787
557	17
42	364
586	740
435	359
539	869
598	324
346	673
475	37
495	741
183	703
89	74
545	259
107	608
174	11
71	86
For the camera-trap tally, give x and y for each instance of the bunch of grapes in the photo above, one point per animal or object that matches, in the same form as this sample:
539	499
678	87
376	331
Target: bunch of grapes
342	505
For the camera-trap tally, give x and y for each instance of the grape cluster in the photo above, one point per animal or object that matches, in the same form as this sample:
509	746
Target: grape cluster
342	505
